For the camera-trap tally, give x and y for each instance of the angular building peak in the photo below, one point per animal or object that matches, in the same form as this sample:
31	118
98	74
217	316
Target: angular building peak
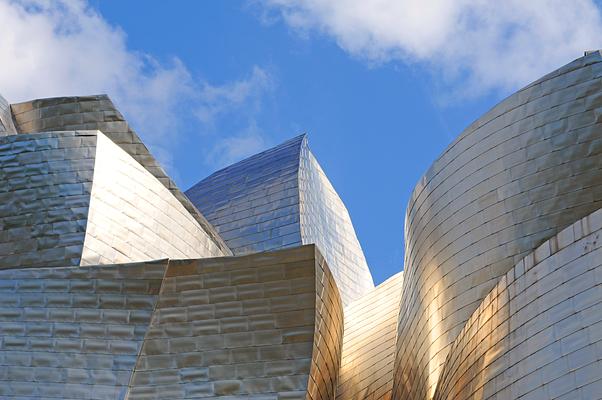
281	198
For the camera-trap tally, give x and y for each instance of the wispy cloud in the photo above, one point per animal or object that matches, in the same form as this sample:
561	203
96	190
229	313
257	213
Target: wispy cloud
65	47
472	46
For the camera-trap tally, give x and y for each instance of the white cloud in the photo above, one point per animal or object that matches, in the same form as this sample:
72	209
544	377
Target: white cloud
231	149
474	46
215	101
64	47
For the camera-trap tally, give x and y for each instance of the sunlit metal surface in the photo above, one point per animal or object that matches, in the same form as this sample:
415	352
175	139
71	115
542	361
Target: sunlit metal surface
528	168
538	333
369	343
98	113
281	198
260	325
74	333
71	198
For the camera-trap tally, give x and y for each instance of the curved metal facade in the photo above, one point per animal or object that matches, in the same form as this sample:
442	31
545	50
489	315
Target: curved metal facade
369	343
281	198
538	333
514	178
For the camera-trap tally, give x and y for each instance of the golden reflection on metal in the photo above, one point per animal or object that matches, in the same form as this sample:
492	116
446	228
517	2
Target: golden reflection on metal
369	343
526	169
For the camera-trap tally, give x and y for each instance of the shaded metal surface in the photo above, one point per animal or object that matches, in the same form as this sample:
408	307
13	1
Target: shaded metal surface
538	333
369	343
99	113
281	198
7	126
71	198
73	332
526	169
257	325
44	197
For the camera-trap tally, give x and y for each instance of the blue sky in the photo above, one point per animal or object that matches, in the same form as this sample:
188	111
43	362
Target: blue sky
381	91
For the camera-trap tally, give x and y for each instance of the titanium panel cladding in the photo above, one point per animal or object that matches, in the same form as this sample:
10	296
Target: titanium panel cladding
528	168
325	221
281	198
74	333
267	325
99	113
538	333
369	343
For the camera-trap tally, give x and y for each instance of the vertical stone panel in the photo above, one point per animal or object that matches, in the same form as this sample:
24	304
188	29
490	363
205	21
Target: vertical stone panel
514	178
241	326
74	332
369	343
538	333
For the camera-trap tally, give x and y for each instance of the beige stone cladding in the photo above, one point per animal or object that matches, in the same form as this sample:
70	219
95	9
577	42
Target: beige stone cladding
369	343
264	326
518	175
71	198
538	333
98	112
74	332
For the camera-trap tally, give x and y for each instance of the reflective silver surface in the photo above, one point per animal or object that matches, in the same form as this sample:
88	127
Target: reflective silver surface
529	167
74	333
281	198
98	113
538	333
76	198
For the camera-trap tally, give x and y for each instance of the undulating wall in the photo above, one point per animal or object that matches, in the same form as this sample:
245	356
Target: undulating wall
73	332
133	217
44	197
281	198
99	113
369	343
538	333
528	168
257	326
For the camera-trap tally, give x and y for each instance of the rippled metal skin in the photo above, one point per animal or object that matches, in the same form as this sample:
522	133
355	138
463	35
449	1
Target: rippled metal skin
518	175
99	113
73	332
369	343
281	198
268	325
76	198
538	333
